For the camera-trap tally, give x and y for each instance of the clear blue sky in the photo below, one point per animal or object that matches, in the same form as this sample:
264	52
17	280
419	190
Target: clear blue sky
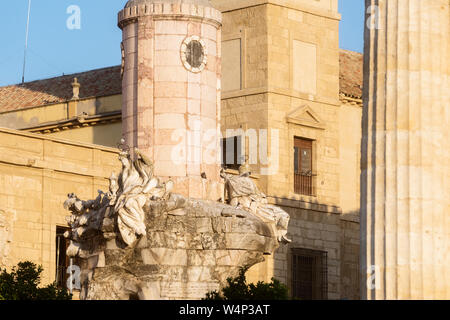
55	49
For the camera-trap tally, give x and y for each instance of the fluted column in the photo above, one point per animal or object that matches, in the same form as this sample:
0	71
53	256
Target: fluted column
405	216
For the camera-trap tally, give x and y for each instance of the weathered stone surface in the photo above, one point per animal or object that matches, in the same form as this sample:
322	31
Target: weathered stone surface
405	160
160	90
244	194
164	256
6	225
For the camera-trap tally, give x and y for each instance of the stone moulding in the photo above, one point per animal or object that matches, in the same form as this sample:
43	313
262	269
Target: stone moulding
141	241
173	10
305	116
346	99
76	122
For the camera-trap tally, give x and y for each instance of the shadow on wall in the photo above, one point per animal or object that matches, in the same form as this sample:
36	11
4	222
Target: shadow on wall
326	232
107	135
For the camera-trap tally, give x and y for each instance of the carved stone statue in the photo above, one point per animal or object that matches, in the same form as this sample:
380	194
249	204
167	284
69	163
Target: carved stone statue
141	241
244	194
136	185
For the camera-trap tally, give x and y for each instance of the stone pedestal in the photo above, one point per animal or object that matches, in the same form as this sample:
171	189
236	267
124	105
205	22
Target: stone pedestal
141	241
171	90
188	252
405	202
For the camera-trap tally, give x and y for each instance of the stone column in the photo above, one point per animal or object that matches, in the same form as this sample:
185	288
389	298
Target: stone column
405	202
171	90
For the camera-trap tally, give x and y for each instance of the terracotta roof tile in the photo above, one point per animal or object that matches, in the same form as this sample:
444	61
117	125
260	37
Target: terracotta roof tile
107	81
94	83
351	73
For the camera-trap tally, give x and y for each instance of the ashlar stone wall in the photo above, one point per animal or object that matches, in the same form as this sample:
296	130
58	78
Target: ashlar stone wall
36	174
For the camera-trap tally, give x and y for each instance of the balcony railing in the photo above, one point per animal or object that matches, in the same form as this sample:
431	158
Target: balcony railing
304	183
309	274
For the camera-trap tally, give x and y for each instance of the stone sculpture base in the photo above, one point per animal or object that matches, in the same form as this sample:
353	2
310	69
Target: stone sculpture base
191	248
141	241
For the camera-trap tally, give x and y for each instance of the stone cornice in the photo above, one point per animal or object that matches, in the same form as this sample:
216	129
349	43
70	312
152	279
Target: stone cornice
65	141
279	91
350	217
41	161
345	99
231	5
301	204
169	10
75	123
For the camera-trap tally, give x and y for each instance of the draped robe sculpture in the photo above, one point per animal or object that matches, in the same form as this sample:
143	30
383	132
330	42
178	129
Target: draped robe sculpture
244	194
136	185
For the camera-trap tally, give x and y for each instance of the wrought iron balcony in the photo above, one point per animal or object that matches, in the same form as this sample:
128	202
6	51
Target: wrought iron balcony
305	183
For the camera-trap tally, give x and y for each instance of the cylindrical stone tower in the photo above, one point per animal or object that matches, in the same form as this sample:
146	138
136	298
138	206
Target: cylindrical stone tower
171	90
405	166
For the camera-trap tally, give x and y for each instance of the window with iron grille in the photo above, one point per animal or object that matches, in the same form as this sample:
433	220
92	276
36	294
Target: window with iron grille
231	152
304	178
62	260
309	274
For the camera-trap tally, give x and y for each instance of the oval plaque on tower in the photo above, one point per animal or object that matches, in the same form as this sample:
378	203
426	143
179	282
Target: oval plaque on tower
193	54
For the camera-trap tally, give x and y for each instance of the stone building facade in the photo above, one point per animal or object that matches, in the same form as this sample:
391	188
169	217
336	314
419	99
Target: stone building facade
284	80
289	65
36	174
170	101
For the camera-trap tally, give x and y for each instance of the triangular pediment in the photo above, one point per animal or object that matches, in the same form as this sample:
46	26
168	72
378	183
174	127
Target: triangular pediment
305	116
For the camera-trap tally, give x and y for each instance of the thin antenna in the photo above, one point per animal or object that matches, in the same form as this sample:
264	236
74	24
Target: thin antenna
26	43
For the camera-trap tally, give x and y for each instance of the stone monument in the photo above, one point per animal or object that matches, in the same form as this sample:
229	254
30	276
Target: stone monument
405	191
141	241
163	230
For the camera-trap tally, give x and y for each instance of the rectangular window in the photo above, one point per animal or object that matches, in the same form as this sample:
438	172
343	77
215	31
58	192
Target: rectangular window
62	260
309	274
303	167
231	152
